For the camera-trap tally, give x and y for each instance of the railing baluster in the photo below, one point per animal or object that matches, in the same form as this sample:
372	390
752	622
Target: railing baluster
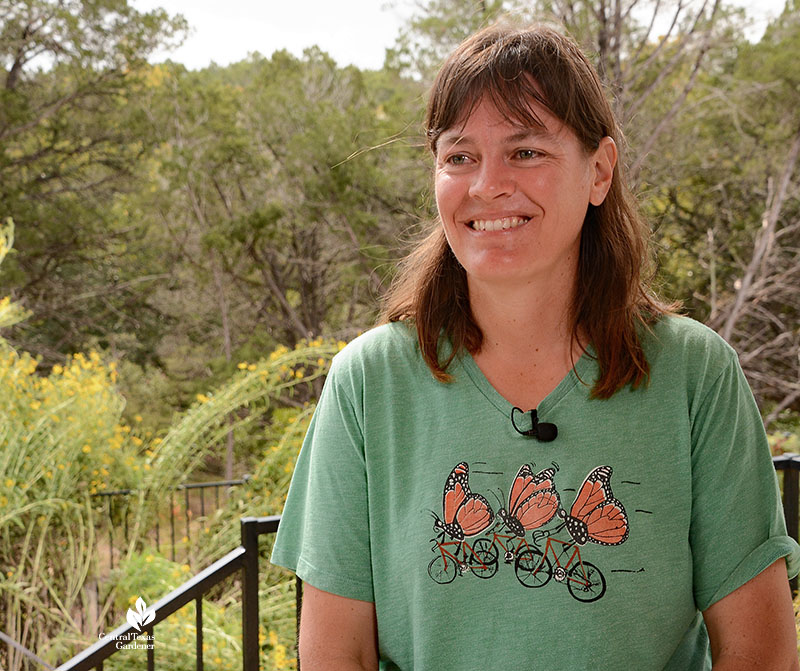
298	604
110	532
127	507
186	511
158	534
791	494
198	624
172	520
791	503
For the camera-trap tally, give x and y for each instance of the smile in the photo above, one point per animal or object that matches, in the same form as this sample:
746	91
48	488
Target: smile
497	224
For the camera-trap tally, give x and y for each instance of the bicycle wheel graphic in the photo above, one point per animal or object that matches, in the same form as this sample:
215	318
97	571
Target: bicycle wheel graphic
442	571
483	559
533	569
586	583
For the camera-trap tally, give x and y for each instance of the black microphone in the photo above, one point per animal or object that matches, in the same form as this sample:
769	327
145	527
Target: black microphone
544	432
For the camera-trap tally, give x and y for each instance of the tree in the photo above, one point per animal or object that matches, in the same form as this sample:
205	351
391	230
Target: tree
269	217
71	72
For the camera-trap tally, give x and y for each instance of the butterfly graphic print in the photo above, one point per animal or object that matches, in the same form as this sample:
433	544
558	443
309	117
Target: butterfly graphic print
464	513
532	501
596	515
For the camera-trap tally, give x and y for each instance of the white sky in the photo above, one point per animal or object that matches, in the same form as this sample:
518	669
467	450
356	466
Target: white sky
351	31
225	31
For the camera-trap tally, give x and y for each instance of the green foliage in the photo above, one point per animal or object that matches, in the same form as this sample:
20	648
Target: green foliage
154	471
60	441
70	140
437	28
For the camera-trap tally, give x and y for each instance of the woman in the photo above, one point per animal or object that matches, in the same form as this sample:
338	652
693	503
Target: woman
534	465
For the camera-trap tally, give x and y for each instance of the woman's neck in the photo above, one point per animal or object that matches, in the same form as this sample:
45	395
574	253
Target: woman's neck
527	346
521	320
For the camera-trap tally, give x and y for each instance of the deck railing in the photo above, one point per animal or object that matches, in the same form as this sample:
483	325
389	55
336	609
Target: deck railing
244	559
116	505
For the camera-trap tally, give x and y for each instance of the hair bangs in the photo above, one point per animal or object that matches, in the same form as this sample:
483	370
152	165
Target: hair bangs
498	75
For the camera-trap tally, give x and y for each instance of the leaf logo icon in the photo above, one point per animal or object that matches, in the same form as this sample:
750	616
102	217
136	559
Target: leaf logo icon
141	616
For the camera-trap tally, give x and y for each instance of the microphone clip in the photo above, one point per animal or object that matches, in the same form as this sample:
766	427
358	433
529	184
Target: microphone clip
544	432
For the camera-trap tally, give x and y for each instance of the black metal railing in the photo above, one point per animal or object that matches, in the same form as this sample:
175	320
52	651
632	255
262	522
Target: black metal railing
117	511
789	465
244	559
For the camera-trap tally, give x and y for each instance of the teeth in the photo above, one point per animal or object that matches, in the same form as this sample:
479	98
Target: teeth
497	224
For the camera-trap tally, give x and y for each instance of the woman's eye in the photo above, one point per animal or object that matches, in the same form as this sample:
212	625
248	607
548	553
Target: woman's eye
457	159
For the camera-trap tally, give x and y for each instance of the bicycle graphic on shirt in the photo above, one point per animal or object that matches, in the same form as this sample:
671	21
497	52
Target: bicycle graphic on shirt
481	558
534	568
595	515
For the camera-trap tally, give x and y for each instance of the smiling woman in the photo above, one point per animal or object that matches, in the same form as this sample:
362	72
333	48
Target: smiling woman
513	202
649	535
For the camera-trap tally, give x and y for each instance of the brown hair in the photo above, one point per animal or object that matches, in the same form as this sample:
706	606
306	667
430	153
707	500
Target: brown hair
511	68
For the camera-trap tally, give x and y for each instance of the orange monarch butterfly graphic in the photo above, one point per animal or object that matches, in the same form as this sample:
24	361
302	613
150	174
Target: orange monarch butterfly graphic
596	515
532	501
465	514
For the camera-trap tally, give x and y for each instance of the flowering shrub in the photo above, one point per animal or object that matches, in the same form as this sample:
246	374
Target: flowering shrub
62	440
166	461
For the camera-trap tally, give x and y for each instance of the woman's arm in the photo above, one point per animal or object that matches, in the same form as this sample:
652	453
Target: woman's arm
337	633
753	627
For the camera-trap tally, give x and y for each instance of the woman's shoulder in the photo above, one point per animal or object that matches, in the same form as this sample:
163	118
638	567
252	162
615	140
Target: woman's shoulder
678	344
684	332
389	345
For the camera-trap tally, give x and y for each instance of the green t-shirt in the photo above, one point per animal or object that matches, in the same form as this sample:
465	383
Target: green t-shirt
483	548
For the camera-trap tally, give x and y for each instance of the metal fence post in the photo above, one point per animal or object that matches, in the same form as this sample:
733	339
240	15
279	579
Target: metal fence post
791	497
298	604
250	647
791	502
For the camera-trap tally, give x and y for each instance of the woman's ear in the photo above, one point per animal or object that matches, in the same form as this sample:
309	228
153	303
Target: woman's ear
603	162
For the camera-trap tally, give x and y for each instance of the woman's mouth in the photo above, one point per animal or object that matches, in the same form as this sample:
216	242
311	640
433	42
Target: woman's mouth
501	224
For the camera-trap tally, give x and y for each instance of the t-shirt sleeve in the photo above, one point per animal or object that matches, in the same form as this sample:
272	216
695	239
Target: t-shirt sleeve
324	529
737	525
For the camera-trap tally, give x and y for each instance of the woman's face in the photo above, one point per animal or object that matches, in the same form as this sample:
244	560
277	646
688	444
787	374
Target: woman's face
513	199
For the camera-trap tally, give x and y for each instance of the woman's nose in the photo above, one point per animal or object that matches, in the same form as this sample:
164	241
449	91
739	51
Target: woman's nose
493	179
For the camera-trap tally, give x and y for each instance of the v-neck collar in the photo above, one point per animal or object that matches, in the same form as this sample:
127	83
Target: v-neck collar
582	372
